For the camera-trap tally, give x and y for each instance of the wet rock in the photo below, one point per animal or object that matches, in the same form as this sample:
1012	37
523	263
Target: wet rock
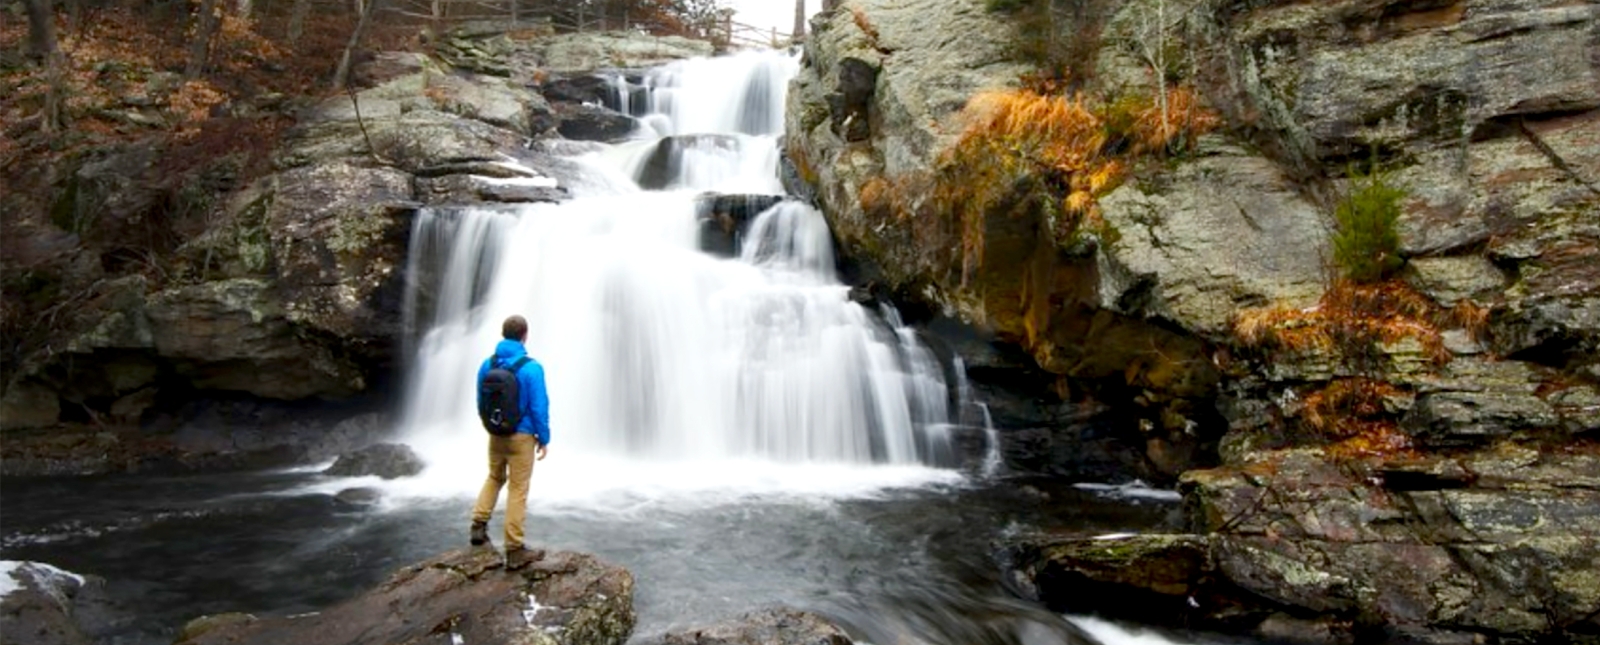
665	165
725	218
776	626
580	88
464	596
386	460
1145	571
198	627
45	605
358	496
468	189
594	123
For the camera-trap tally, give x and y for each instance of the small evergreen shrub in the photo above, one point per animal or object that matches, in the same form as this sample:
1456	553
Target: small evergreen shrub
1366	244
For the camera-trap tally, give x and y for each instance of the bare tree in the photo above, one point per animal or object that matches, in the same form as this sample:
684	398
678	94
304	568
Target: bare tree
200	49
342	75
42	46
799	20
297	20
1151	44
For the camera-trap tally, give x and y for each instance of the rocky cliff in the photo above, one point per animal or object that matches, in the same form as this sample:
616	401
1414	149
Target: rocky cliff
1404	458
1484	112
243	302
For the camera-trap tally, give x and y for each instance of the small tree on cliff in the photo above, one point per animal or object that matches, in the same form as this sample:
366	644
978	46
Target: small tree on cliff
1366	243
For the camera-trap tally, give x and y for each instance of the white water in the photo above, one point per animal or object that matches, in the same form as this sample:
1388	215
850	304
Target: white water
671	371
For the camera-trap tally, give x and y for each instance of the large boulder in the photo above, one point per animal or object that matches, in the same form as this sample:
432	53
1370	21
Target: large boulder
466	596
43	605
385	460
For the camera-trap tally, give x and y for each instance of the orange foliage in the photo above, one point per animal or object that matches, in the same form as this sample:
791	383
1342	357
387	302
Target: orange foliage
1082	147
1350	320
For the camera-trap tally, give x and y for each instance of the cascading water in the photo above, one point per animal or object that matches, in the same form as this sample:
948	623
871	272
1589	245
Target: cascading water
659	355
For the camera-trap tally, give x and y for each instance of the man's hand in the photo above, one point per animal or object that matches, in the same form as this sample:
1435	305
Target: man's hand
539	452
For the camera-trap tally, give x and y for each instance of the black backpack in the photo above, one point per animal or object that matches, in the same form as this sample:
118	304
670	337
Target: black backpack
499	401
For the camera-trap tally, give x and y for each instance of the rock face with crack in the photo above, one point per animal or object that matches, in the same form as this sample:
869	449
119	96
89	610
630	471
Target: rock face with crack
1499	542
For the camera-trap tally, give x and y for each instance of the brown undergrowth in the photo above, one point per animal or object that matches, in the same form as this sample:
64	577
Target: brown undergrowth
1353	321
1357	416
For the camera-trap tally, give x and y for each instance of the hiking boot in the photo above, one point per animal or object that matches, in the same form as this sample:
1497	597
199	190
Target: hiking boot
480	533
520	557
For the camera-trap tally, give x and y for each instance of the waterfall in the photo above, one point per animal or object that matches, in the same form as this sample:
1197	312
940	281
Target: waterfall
665	362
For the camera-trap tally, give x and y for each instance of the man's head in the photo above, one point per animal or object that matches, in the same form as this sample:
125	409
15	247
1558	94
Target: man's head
515	328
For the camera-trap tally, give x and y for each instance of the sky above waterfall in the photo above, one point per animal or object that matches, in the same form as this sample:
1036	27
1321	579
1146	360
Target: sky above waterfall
769	14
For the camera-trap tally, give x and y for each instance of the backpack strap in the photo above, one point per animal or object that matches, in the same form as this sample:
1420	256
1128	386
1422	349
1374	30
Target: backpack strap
517	366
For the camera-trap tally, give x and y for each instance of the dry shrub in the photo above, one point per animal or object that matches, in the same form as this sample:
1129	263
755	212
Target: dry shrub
1080	148
1347	407
1351	321
1356	418
192	103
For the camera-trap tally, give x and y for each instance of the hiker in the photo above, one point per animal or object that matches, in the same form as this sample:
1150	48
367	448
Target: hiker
515	409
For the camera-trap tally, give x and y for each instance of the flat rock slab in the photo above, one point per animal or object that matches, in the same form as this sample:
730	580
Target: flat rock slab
463	596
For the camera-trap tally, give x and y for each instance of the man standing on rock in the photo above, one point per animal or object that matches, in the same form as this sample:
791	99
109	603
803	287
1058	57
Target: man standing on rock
516	411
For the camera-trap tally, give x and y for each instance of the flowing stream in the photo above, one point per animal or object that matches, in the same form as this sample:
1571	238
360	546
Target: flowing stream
734	430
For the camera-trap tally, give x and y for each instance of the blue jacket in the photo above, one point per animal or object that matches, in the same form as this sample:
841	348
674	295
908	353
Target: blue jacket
530	389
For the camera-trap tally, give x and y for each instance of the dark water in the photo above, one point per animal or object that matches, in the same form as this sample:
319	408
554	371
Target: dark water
913	562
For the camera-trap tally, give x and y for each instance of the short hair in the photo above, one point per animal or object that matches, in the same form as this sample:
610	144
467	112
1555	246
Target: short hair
514	328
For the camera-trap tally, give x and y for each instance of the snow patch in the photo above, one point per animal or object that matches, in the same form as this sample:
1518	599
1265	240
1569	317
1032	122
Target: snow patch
49	579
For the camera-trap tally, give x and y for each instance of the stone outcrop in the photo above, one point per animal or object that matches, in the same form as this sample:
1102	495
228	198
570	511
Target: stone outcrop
492	49
565	598
1497	543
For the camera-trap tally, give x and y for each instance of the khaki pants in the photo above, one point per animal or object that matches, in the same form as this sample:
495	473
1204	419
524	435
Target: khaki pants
514	454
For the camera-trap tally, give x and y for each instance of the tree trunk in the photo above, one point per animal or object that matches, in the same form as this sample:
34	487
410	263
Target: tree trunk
799	21
297	20
342	74
242	9
201	48
41	30
42	46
